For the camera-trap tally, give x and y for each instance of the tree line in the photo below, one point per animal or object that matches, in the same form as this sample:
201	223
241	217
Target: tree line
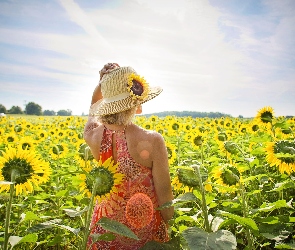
193	114
33	109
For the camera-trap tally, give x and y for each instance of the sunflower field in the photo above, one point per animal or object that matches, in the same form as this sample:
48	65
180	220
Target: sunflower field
232	178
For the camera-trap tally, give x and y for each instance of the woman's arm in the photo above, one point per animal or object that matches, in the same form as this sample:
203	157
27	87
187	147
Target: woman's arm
97	95
161	176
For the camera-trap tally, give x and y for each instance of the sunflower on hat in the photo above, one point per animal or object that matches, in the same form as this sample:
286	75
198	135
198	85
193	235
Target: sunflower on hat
138	87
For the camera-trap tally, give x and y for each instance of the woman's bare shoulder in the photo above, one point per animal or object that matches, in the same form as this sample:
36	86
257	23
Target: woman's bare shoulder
148	135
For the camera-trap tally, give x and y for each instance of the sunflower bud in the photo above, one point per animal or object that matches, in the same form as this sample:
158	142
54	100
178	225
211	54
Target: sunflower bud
198	140
188	177
230	147
222	137
230	176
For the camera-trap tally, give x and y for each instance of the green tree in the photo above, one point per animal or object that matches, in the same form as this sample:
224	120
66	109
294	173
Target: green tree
2	109
64	112
33	109
15	110
49	112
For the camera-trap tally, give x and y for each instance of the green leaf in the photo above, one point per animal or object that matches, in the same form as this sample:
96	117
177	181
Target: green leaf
277	232
280	124
184	218
43	225
284	185
62	193
29	238
183	198
258	151
6	182
285	246
74	212
209	196
105	237
14	240
173	244
198	239
267	207
73	230
186	197
246	222
116	227
31	216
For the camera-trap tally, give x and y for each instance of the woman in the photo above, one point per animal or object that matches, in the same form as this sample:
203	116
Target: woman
141	156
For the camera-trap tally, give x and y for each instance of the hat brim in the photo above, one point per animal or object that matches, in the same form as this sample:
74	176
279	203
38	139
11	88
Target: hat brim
126	103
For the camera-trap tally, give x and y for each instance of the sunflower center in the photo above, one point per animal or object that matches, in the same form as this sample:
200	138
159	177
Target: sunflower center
136	88
285	151
255	128
198	140
175	126
26	145
23	169
10	139
266	116
105	179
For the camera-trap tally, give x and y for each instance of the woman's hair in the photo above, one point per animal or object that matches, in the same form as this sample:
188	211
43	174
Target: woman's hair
121	118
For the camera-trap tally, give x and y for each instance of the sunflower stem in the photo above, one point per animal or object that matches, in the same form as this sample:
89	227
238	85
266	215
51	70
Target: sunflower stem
8	211
245	214
88	215
204	206
203	193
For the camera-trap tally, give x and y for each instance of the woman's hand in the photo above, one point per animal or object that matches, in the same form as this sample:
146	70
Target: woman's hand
97	95
107	68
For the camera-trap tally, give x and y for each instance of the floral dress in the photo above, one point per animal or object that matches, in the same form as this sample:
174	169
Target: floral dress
137	188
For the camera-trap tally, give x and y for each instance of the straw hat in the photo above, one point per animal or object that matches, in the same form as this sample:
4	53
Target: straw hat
122	88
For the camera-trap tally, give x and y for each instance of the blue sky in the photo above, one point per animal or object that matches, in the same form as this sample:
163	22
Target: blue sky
224	56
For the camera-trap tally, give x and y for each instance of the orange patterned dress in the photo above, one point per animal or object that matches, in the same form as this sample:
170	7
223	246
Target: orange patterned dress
138	180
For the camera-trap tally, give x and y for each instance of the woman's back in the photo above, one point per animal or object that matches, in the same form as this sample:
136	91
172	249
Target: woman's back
136	189
142	144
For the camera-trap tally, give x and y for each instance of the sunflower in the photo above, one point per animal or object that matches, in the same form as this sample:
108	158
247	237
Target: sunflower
222	136
137	87
229	147
107	176
282	154
227	178
160	129
27	168
171	150
265	115
148	125
10	138
175	125
58	150
27	143
253	127
42	135
197	139
153	118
